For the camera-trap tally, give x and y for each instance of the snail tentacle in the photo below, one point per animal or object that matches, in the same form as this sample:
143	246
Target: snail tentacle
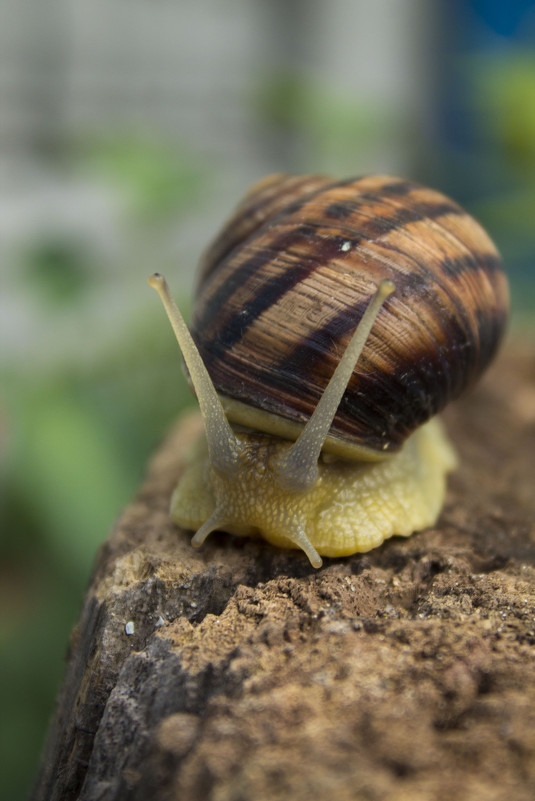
299	538
223	444
214	522
298	469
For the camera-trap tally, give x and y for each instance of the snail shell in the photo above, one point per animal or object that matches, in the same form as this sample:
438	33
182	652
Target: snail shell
284	285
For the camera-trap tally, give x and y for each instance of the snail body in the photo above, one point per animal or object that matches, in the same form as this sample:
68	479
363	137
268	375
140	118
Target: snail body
333	321
354	506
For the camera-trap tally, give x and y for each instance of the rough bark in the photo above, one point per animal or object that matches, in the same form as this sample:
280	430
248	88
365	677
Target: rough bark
404	673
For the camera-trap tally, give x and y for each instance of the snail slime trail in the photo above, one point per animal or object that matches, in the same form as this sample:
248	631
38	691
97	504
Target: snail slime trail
333	321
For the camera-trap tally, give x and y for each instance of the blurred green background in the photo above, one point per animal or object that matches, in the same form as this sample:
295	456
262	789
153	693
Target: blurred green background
127	133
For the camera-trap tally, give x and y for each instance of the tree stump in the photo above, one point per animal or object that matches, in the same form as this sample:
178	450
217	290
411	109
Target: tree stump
239	672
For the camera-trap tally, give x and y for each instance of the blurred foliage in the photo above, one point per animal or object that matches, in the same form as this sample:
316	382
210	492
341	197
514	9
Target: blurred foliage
58	267
292	100
75	434
331	121
502	94
504	90
156	179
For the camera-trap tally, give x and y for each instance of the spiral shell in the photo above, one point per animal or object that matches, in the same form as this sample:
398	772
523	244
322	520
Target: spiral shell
286	282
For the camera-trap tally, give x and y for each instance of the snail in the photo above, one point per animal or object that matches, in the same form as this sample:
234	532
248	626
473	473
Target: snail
334	320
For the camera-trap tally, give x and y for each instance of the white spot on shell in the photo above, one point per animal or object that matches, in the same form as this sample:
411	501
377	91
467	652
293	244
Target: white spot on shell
160	622
129	628
345	246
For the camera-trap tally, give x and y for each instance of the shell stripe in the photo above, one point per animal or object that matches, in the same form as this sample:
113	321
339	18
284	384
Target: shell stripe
461	265
270	291
375	225
343	322
255	263
269	199
323	249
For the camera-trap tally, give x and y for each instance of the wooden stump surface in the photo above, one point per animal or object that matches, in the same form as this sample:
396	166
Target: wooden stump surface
404	673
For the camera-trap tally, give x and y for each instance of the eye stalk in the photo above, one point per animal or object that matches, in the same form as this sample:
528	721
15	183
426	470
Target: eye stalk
268	498
299	467
223	445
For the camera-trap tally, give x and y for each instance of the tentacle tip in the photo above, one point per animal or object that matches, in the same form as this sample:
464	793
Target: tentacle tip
386	288
202	533
156	281
197	542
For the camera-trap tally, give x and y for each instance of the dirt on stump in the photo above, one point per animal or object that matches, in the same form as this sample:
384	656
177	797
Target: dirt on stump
238	672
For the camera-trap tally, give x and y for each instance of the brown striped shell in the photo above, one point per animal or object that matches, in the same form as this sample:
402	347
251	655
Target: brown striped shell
284	285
